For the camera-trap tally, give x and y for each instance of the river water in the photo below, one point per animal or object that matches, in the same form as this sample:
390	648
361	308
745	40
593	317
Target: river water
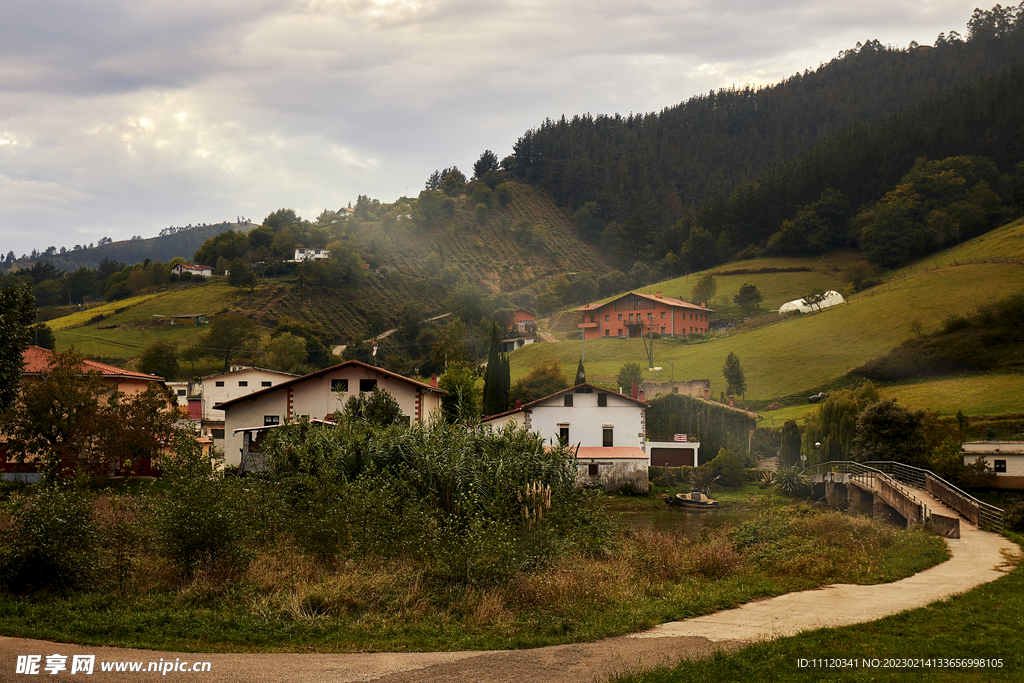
687	522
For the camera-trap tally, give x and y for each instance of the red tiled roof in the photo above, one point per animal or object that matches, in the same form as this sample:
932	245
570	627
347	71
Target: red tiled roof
664	299
39	360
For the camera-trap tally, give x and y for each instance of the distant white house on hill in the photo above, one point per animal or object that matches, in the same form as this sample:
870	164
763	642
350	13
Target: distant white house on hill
832	298
303	254
194	268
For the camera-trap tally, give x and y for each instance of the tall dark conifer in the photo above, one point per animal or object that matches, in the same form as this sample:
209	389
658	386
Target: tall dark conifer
497	379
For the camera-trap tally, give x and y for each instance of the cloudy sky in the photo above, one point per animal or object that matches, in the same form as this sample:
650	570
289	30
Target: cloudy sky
123	117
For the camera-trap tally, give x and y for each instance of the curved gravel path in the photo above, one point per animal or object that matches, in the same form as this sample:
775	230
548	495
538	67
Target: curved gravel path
976	558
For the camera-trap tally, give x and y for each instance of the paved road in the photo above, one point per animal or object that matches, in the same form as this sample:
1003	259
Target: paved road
975	559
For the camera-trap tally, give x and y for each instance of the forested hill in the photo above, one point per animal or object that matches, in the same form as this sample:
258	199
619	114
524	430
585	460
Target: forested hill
171	242
662	162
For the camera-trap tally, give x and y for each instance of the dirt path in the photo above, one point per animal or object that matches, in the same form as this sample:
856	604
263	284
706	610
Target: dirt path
975	560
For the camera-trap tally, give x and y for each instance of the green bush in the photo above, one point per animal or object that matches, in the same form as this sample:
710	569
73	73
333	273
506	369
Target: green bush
473	505
52	539
199	520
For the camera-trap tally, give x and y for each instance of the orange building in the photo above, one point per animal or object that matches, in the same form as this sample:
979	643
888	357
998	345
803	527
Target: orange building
38	364
39	360
635	314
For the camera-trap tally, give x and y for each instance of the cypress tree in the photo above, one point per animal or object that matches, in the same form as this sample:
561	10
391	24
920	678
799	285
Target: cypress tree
497	379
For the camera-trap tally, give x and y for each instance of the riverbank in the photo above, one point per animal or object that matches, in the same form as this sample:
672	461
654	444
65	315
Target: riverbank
289	602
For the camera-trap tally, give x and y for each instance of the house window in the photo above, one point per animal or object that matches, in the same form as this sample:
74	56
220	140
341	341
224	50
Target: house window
217	433
243	383
663	329
602	400
181	392
592	470
607	332
999	465
568	400
563	435
630	317
367	384
663	315
591	318
620	317
339	385
269	420
219	384
606	318
606	437
650	316
265	384
620	331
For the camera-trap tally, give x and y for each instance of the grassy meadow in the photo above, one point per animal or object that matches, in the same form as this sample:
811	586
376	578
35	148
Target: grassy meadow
799	354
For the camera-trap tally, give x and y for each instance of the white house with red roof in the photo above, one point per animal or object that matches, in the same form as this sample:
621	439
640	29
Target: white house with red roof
635	314
197	270
317	396
606	429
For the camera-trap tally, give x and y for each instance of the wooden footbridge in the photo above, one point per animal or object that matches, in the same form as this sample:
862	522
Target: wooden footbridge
903	494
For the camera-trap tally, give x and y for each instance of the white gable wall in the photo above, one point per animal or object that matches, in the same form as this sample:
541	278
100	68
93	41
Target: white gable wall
313	398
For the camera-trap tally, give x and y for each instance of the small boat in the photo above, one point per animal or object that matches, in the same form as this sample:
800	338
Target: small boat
693	501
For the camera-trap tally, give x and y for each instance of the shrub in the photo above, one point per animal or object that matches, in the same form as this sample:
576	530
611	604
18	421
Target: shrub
52	540
198	521
791	481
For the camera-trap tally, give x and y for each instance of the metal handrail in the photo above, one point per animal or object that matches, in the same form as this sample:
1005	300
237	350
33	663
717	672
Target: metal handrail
863	471
990	515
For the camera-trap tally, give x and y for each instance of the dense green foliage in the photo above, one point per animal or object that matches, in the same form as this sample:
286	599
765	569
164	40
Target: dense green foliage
543	380
794	161
16	314
474	505
715	426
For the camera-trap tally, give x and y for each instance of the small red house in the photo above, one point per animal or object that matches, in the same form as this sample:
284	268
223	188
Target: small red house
635	314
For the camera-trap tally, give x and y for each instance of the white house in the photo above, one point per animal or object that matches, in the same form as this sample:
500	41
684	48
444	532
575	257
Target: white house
606	429
1005	457
317	396
194	268
206	392
303	254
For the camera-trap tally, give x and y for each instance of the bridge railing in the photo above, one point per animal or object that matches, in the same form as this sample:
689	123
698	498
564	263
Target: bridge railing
862	472
982	514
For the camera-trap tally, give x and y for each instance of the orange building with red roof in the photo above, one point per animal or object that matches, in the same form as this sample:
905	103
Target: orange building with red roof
635	314
39	360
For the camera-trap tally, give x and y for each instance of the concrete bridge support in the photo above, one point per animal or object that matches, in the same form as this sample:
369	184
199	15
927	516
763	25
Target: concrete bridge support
881	510
861	502
836	495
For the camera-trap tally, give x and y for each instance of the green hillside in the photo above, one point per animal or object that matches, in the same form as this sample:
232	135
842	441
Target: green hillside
795	355
408	264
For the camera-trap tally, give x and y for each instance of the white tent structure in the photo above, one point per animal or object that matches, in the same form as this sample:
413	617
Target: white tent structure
832	298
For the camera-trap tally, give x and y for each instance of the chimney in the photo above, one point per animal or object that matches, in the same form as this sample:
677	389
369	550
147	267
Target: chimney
433	380
635	389
519	404
658	294
731	402
703	304
707	393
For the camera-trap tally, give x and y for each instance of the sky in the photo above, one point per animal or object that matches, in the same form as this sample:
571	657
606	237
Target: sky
121	118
